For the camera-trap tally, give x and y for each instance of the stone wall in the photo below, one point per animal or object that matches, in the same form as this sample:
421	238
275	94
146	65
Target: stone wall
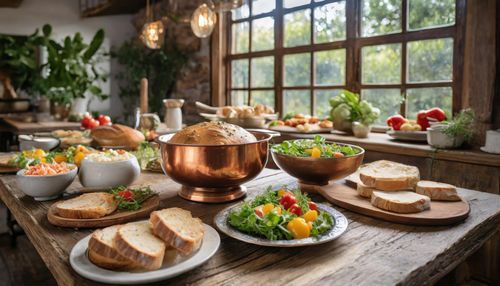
193	82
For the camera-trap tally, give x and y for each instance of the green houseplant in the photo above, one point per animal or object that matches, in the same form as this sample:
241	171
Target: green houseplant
453	133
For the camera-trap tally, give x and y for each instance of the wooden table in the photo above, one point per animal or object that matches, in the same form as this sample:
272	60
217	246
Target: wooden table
371	252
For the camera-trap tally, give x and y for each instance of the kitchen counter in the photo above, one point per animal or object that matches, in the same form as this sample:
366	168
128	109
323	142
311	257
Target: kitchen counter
371	252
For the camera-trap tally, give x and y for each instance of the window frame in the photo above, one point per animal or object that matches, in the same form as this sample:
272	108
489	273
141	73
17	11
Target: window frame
353	45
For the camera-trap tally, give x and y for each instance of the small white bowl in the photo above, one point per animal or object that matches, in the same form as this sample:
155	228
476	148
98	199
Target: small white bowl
44	143
104	175
44	188
438	139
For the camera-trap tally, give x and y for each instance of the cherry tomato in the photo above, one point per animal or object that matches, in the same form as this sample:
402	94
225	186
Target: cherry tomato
93	124
313	206
258	212
299	228
287	200
295	209
127	195
86	122
104	120
338	155
311	215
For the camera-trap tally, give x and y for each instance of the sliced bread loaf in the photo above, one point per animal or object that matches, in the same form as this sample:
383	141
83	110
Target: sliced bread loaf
389	176
178	229
437	191
364	191
400	201
102	251
91	205
136	242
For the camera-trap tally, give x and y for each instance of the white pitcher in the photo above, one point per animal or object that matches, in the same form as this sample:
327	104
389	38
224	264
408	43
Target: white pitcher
173	115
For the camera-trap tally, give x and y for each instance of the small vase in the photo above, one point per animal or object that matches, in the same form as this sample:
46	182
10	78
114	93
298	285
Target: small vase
361	130
173	115
60	111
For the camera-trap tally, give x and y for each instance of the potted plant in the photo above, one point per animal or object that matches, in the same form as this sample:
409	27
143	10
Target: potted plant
453	133
351	114
72	72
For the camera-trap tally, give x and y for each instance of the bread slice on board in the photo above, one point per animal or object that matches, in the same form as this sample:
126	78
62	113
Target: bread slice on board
91	205
136	242
437	191
178	229
389	176
364	191
400	201
102	252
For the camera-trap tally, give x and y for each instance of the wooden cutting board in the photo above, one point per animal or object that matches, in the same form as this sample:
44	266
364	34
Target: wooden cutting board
345	196
117	217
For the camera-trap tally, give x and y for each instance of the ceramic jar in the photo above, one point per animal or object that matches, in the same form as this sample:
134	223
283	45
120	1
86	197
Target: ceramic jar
173	115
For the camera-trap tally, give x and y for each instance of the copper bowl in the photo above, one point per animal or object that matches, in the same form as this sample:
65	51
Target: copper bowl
319	171
214	173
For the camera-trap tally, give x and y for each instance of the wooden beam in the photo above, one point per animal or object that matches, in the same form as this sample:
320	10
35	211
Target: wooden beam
218	50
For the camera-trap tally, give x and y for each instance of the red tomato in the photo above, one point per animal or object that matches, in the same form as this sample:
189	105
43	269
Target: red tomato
127	195
295	209
287	200
93	123
104	120
313	206
259	213
86	121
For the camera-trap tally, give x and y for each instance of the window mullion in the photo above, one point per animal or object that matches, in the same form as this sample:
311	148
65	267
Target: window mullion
278	58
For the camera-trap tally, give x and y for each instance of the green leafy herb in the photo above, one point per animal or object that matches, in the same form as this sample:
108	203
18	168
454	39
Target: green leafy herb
461	125
131	198
146	154
303	147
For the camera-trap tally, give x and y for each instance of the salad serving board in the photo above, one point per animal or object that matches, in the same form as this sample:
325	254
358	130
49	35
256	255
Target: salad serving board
116	217
346	196
339	227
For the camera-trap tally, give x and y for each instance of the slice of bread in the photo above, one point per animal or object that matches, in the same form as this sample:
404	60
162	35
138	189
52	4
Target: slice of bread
364	191
178	229
437	191
91	205
389	176
103	253
400	201
136	242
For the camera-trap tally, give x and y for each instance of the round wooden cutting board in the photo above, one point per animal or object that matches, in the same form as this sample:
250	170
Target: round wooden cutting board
115	218
345	196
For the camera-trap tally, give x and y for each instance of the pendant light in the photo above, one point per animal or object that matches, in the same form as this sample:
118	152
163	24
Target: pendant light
153	32
203	21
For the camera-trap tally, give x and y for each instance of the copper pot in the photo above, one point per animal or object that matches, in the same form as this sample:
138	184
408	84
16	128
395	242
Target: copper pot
214	173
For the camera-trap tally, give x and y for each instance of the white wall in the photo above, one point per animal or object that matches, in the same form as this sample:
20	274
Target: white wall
65	19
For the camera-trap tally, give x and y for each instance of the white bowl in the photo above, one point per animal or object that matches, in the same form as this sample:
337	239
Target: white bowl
104	175
44	188
44	143
437	138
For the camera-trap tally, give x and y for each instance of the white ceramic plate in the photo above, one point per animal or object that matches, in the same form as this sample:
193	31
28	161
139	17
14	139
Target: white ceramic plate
415	136
339	227
82	265
289	129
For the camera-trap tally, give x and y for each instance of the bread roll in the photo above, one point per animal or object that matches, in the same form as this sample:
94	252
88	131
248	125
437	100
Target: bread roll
117	135
213	133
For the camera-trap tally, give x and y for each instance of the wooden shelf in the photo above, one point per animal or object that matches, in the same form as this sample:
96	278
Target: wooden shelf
381	142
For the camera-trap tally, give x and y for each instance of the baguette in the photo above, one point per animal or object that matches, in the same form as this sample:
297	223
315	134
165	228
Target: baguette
400	201
102	252
389	176
87	206
437	191
178	229
135	241
118	136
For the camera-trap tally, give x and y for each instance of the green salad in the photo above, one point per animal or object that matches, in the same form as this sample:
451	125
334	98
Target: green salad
316	148
131	199
281	215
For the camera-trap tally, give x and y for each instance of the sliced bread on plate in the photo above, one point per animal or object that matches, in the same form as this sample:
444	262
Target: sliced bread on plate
389	176
136	242
87	206
364	191
400	201
437	191
178	229
102	252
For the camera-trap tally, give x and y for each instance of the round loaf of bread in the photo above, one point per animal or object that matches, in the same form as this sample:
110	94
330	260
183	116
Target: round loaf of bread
213	133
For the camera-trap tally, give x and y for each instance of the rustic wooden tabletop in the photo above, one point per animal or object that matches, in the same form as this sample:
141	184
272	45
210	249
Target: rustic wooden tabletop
371	252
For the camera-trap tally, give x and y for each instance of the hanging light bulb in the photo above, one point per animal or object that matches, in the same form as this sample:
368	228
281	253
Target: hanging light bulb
153	33
203	21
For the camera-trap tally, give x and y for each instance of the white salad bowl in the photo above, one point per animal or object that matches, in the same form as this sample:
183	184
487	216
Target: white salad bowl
44	188
104	175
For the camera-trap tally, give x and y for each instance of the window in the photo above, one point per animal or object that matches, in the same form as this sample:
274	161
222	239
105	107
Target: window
401	55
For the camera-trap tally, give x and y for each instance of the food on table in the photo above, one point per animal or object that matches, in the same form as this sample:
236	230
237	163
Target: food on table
130	199
213	133
244	111
316	148
72	137
88	122
437	191
74	154
149	134
303	123
102	252
136	242
117	136
396	121
424	117
178	229
47	169
27	158
388	176
325	123
435	114
400	201
109	155
364	191
148	156
281	215
88	206
411	125
422	120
